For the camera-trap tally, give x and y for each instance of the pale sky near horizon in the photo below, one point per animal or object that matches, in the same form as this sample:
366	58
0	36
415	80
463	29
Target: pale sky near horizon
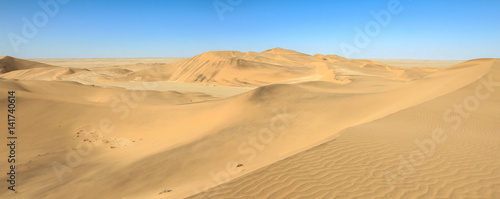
399	29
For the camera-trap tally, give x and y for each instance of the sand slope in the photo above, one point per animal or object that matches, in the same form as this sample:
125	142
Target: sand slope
279	65
124	143
381	159
8	64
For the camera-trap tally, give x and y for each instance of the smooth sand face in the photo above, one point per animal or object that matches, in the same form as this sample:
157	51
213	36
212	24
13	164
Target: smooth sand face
275	124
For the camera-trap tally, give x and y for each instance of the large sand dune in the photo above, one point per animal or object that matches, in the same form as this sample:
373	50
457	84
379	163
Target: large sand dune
301	126
279	65
231	68
396	156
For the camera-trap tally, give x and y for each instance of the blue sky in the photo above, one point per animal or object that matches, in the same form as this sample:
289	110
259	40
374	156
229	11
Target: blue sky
423	29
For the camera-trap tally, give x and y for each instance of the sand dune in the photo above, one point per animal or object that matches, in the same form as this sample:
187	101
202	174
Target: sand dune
29	70
281	66
231	68
104	62
9	64
364	161
419	63
304	126
243	69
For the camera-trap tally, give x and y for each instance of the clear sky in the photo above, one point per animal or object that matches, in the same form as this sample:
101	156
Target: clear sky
418	29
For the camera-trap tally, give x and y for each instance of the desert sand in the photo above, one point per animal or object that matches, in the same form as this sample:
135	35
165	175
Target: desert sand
419	63
271	124
100	62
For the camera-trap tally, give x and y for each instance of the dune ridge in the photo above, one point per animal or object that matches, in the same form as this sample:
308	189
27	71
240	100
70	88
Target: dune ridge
338	168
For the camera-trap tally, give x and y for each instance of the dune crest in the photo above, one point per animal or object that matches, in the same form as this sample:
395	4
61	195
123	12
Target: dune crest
9	64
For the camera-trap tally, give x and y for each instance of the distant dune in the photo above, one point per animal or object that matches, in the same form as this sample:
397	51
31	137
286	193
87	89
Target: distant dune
279	65
300	126
9	64
104	62
233	68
